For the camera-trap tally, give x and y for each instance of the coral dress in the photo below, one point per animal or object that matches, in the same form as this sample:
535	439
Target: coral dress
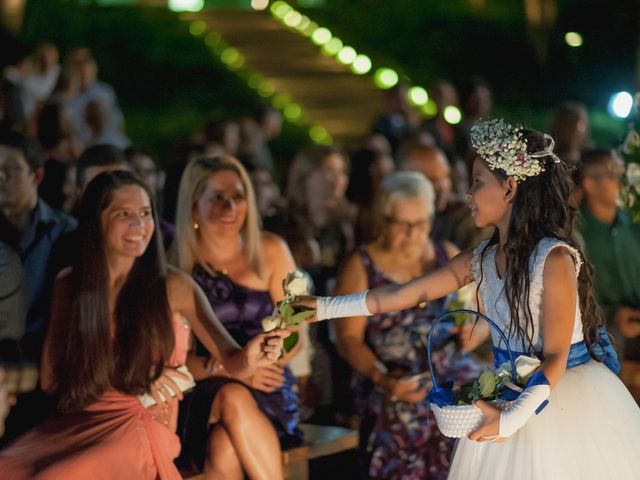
590	429
114	438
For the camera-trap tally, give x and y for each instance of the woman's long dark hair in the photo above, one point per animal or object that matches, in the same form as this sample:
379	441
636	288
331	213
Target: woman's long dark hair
542	208
94	353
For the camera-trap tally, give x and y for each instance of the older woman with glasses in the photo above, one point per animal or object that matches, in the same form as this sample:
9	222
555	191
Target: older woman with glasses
388	351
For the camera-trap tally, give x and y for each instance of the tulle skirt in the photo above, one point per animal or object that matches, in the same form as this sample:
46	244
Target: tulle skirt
589	430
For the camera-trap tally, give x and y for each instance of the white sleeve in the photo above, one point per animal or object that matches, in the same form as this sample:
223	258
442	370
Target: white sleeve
354	305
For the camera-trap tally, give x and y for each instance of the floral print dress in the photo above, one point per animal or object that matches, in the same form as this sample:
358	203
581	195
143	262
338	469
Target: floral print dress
400	440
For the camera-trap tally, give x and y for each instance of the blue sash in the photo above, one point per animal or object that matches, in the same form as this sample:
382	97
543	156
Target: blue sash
579	353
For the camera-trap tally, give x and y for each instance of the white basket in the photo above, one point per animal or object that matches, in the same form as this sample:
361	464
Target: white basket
457	421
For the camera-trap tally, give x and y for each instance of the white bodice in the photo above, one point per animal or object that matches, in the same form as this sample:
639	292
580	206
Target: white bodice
493	298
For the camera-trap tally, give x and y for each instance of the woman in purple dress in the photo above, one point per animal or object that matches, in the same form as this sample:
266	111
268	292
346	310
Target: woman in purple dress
388	351
241	270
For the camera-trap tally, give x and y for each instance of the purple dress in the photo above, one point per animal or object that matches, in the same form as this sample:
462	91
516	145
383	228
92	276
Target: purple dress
241	310
400	440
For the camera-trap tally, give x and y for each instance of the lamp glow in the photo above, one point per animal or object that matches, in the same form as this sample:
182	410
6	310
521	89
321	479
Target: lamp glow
280	9
255	81
418	96
620	104
333	46
361	65
430	109
452	114
321	36
385	78
292	111
292	19
347	55
320	135
197	28
573	39
186	5
259	4
229	56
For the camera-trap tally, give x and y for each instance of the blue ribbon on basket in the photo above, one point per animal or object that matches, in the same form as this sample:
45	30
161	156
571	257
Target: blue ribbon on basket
441	395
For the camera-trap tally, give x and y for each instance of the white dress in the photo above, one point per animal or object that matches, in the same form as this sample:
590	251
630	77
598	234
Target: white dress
590	428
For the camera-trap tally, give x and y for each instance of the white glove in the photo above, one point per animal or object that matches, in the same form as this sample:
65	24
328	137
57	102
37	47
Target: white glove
532	400
354	305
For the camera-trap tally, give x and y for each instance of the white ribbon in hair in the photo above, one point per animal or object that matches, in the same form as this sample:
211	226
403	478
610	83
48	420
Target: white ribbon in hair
548	150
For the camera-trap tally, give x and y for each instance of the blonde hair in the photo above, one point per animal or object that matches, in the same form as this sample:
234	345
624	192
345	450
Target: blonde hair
192	186
401	185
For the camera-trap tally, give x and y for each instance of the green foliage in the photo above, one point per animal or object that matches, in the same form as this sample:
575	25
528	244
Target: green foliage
486	387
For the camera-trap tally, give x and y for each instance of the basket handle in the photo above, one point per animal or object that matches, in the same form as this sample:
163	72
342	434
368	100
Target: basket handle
475	314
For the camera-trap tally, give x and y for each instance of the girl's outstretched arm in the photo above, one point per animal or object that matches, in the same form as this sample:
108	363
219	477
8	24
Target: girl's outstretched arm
392	298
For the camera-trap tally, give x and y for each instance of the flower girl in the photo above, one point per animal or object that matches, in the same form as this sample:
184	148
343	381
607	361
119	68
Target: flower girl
575	419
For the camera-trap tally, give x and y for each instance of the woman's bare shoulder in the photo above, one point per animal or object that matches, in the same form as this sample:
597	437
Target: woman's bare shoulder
178	281
272	243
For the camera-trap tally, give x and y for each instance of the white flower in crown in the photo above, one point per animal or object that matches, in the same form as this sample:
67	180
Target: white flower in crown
631	142
633	175
503	147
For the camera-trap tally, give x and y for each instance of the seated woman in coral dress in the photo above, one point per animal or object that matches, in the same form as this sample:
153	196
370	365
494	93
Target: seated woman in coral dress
119	326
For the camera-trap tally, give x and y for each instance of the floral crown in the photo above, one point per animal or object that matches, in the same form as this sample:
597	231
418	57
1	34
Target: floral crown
504	147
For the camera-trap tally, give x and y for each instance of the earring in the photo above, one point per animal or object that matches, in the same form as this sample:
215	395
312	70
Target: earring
196	226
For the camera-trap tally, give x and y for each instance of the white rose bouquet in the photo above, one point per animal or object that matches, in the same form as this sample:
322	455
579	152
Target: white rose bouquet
490	384
284	315
630	151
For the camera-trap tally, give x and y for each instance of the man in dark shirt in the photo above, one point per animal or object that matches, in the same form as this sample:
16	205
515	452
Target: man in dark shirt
28	224
30	227
612	245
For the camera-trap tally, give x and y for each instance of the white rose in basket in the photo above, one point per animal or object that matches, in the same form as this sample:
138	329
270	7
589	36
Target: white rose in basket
526	366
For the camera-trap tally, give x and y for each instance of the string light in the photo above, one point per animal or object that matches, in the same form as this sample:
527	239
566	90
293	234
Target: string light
259	4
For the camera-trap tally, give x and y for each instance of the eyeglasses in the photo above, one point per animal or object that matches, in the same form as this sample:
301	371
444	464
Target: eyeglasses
613	175
407	227
223	199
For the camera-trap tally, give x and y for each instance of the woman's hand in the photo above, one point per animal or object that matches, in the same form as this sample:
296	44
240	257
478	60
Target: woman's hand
267	379
6	401
161	389
407	390
264	349
490	428
471	336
